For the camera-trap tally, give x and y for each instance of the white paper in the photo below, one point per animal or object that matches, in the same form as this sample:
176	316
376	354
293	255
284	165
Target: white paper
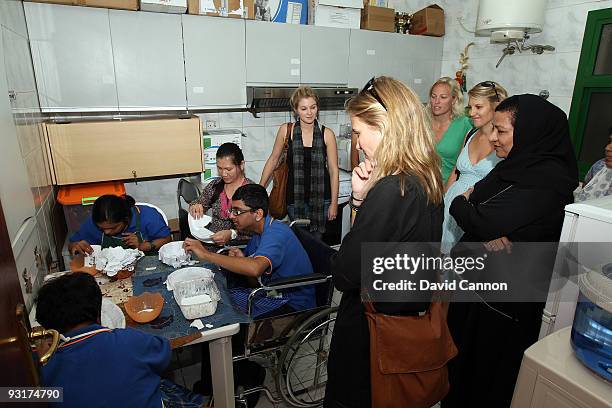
418	81
198	89
294	13
196	300
371	52
197	323
295	61
295	72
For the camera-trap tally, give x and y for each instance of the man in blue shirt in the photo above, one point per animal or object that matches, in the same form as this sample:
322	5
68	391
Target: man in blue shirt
98	366
274	252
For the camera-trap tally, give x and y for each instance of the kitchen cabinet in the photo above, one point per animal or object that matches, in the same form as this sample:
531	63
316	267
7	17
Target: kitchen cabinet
324	55
272	53
148	58
371	54
72	56
417	62
85	152
215	61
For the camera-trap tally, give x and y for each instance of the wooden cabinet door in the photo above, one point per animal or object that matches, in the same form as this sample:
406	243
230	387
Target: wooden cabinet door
97	151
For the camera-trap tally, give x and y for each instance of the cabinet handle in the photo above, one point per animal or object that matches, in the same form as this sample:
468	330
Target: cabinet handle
135	178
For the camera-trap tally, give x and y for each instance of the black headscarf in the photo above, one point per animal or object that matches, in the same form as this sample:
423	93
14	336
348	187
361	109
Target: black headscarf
541	157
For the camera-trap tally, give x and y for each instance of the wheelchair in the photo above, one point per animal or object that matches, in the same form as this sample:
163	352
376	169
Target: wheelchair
295	346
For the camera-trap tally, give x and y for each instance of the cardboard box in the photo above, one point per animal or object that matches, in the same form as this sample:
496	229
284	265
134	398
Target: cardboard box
335	13
378	19
282	11
377	3
164	6
235	8
114	4
429	21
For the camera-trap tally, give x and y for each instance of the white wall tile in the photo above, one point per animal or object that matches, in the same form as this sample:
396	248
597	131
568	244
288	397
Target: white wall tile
527	72
253	169
248	120
270	138
230	120
562	102
254	144
275	118
328	118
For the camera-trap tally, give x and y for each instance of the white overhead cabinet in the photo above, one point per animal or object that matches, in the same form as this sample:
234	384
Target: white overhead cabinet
215	62
418	61
272	53
371	54
73	58
148	57
324	55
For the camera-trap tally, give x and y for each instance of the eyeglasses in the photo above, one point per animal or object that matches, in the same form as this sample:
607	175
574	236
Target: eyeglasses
236	212
369	87
490	84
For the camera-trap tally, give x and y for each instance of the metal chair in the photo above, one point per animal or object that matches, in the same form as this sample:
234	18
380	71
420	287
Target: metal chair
188	192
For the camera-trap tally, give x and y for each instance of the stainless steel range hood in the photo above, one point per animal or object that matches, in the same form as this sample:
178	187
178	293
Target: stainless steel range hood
275	99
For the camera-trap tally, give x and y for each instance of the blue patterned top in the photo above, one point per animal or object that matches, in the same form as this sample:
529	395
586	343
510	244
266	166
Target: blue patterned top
470	175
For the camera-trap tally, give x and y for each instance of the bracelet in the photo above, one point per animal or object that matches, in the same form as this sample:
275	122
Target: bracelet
353	206
355	198
153	248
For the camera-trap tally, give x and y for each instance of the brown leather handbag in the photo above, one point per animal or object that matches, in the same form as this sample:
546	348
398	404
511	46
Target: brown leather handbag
277	206
408	357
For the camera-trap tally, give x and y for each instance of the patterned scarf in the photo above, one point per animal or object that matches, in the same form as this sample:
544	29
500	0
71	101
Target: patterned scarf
317	177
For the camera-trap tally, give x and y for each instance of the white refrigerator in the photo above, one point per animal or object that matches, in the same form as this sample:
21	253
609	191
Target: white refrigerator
586	222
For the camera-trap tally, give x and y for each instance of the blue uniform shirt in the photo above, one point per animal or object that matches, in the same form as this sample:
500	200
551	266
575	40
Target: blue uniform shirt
152	227
120	368
287	258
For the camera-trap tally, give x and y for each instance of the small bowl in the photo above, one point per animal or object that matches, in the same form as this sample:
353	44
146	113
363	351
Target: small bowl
144	308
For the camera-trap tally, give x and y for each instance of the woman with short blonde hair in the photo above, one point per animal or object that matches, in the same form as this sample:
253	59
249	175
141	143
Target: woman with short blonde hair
397	197
448	121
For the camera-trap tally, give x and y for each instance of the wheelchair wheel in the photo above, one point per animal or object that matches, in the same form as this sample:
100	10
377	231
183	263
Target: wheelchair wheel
302	367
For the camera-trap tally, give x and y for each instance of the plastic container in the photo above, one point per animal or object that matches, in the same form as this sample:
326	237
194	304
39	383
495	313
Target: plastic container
78	200
187	274
197	298
592	329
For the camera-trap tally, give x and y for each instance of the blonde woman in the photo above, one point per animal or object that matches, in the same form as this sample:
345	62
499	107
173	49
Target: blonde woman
448	121
477	158
397	197
312	156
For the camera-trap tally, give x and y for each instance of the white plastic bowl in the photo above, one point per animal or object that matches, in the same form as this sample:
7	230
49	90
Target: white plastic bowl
173	254
198	227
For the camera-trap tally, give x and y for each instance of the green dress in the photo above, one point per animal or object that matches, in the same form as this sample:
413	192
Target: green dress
450	145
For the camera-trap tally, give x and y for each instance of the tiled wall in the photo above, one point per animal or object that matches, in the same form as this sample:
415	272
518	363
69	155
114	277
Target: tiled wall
28	120
259	135
520	73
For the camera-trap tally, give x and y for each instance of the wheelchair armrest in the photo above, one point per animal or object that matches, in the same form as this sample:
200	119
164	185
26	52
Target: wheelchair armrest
296	281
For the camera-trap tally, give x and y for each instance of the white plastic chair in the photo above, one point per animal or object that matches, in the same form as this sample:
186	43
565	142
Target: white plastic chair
158	210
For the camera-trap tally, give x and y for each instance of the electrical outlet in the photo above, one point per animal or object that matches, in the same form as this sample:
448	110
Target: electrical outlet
211	124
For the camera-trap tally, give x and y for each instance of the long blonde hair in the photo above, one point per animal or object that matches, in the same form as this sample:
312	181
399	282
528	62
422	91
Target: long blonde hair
407	146
455	91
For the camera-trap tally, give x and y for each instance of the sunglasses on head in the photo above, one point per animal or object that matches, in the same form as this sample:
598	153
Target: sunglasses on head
490	84
369	88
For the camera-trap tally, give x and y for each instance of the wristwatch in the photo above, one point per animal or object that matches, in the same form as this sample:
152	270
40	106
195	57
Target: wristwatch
153	248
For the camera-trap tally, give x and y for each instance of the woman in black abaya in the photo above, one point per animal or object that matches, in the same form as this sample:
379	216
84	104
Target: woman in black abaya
521	200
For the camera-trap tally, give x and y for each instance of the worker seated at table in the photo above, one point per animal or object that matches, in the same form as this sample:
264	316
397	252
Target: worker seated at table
119	222
273	252
97	366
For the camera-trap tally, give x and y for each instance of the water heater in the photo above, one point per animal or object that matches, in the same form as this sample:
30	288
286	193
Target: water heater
509	20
